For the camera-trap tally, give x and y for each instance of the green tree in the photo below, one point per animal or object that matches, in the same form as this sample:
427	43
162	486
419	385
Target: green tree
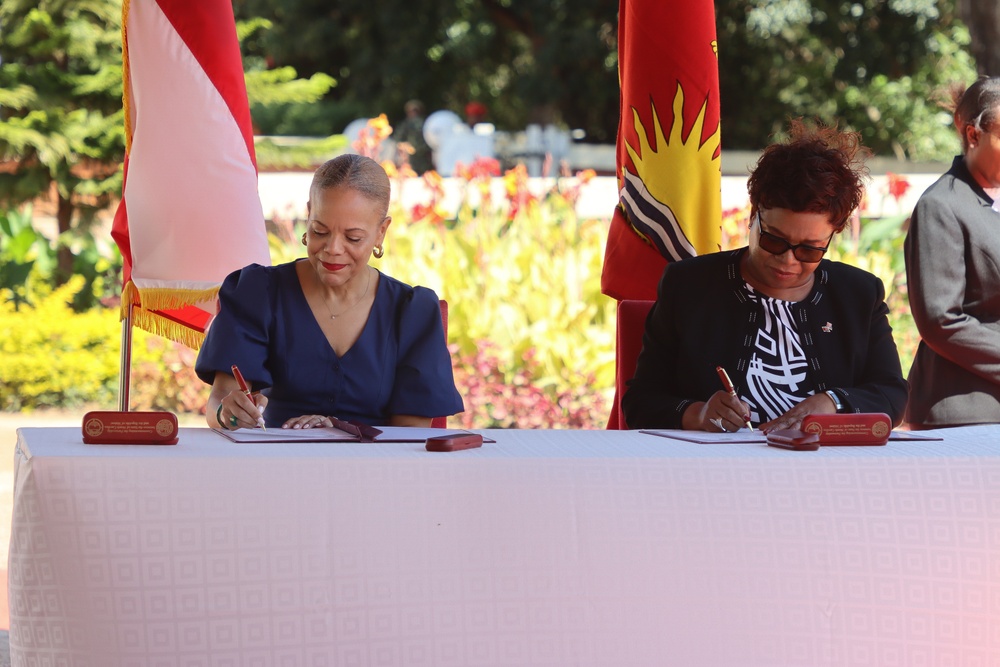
874	65
272	92
530	61
878	66
60	93
62	133
983	19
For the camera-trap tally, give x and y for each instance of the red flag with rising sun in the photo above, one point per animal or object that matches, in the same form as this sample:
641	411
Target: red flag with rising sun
669	149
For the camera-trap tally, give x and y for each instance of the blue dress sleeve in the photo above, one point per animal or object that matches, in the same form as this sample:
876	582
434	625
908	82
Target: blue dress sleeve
424	383
239	334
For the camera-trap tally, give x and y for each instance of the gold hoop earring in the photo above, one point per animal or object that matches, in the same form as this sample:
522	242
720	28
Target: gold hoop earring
303	239
377	251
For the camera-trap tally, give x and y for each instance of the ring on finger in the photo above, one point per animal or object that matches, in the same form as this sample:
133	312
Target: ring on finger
717	423
233	421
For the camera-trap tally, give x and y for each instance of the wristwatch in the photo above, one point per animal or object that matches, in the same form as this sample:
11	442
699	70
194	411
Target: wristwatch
836	399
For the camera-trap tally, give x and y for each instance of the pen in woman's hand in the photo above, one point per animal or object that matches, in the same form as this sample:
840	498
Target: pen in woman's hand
246	390
728	385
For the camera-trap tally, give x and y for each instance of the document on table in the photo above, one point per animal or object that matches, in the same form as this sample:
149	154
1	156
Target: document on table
332	434
328	434
741	437
747	437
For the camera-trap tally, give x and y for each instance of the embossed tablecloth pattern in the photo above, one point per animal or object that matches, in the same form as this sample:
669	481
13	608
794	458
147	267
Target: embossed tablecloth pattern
546	548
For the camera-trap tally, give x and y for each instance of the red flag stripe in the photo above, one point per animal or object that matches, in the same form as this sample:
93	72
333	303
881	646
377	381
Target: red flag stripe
209	31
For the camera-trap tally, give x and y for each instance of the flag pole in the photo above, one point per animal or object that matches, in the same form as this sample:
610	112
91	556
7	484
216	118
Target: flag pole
125	369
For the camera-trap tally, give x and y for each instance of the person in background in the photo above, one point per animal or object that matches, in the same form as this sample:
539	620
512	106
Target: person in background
952	253
797	334
329	334
475	113
411	147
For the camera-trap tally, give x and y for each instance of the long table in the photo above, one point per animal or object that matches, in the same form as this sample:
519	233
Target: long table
545	548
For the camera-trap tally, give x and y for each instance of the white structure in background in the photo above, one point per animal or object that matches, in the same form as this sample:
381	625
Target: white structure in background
532	146
452	141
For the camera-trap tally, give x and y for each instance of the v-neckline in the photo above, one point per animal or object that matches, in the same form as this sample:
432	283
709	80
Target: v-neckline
318	328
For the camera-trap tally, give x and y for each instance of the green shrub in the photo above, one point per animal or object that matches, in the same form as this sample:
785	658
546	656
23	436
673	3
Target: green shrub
53	357
26	258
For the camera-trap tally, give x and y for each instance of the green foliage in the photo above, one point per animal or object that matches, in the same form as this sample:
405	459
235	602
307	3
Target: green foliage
163	376
22	251
297	154
876	245
28	262
495	399
523	276
51	356
267	86
61	90
280	86
99	262
528	61
878	67
874	65
282	104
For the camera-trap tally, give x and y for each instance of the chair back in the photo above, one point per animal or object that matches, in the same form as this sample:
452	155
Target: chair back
628	343
442	422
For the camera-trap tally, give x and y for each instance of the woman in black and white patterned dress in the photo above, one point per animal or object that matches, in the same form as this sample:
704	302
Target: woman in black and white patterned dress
798	334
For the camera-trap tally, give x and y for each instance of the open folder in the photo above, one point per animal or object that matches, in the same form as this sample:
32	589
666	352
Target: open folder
342	431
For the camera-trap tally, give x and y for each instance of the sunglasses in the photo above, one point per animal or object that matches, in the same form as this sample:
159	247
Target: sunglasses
808	254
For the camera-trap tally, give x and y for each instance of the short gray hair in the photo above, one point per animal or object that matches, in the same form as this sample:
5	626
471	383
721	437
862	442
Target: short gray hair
357	172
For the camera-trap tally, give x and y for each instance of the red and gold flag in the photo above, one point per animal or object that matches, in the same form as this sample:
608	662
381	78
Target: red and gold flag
669	148
190	213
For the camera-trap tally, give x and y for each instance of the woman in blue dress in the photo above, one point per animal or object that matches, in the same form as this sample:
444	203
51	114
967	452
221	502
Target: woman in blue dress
329	335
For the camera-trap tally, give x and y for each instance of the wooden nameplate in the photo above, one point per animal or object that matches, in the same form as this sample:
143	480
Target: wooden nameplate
130	428
864	428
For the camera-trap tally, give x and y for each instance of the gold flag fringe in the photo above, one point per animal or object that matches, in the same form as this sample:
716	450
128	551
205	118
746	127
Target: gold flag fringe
126	79
146	302
161	326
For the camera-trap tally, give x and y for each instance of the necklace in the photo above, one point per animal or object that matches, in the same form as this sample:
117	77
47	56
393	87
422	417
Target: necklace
360	299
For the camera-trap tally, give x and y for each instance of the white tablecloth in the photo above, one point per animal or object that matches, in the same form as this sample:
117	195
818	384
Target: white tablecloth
545	548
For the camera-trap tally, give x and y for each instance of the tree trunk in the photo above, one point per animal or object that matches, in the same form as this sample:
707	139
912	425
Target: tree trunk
983	20
64	256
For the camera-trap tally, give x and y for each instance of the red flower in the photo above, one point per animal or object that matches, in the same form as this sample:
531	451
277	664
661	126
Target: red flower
898	185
